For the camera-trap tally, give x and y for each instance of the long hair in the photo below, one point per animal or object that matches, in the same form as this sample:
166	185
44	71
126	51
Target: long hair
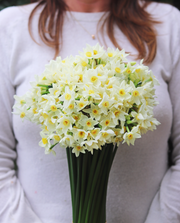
129	15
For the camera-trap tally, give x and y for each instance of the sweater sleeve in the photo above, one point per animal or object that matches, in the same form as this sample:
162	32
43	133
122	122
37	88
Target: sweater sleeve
14	206
165	207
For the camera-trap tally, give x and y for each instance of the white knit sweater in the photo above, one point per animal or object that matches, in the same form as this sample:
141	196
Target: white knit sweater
142	189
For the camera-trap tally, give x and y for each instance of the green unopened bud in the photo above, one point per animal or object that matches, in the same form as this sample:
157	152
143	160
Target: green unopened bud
133	63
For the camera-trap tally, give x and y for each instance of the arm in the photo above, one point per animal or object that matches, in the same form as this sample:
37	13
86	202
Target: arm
165	207
14	207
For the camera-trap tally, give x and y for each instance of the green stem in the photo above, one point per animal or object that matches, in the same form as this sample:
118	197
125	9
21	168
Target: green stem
43	85
73	170
127	128
93	184
78	187
53	146
83	183
70	176
112	153
91	171
97	204
89	179
100	211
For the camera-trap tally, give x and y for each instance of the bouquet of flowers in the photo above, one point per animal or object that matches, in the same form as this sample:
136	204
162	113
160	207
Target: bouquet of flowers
90	103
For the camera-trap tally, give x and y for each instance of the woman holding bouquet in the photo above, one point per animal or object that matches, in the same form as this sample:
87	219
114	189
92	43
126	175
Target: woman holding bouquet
143	187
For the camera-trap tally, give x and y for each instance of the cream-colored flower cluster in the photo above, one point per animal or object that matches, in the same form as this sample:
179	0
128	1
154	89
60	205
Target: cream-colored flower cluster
89	100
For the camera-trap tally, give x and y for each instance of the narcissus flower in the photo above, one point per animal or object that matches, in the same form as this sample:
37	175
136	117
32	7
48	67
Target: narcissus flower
90	100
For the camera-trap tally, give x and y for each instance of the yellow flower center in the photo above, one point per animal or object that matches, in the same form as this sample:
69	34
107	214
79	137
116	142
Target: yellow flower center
81	134
50	121
55	92
94	78
67	96
122	92
84	64
91	92
116	132
116	113
45	116
44	99
101	95
22	102
110	54
95	52
135	93
128	71
46	128
81	104
76	118
105	104
56	137
88	123
95	111
88	54
53	108
22	115
80	77
105	134
44	141
110	86
107	122
78	148
35	110
117	69
94	131
138	70
63	61
99	74
71	106
66	122
130	136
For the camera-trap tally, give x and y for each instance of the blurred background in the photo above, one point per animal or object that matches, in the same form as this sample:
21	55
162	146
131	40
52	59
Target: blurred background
6	3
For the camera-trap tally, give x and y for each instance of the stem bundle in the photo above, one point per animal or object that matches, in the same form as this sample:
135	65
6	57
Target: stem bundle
88	181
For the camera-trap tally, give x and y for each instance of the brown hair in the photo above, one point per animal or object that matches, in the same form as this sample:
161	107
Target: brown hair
131	18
